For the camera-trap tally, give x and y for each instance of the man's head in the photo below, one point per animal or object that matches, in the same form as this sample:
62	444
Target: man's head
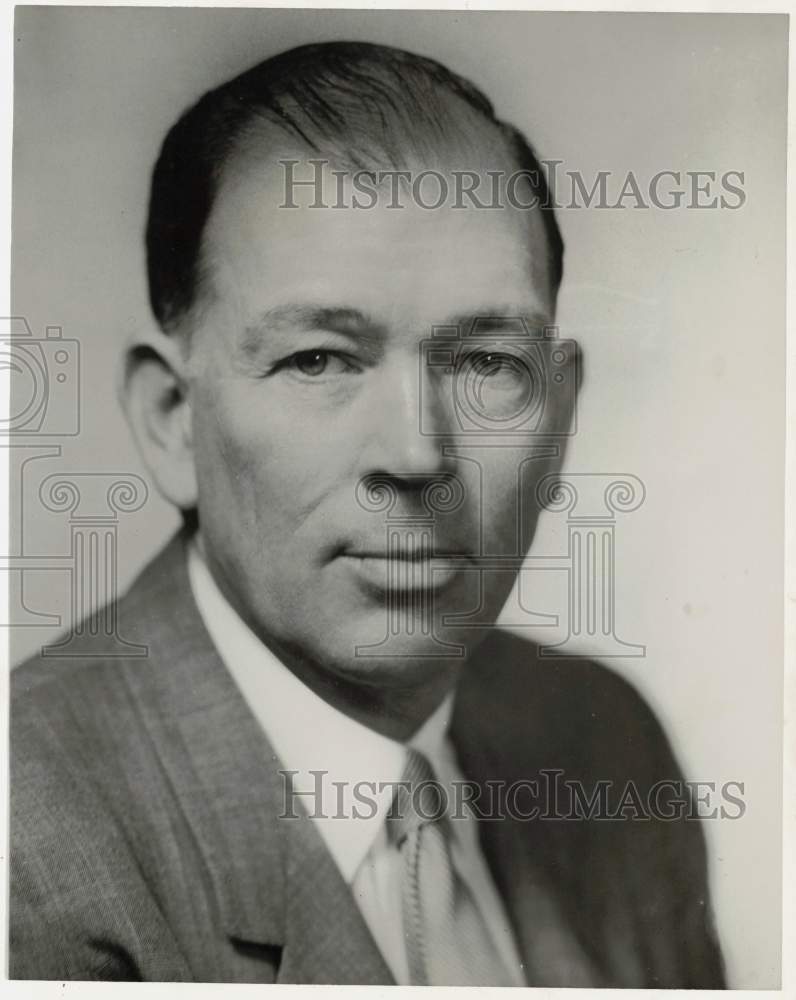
294	385
362	106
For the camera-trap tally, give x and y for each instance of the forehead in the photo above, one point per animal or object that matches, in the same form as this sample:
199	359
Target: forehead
403	264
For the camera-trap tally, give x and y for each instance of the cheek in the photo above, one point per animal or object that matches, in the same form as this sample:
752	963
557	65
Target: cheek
509	508
272	472
500	507
232	455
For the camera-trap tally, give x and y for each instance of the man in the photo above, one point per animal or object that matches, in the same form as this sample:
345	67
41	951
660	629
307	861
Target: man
327	400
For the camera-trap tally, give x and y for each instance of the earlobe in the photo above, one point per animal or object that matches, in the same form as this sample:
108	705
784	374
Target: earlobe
155	398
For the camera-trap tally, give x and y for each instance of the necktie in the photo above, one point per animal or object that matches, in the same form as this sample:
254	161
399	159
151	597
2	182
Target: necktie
447	941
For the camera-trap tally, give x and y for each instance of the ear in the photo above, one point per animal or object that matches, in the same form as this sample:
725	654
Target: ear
154	396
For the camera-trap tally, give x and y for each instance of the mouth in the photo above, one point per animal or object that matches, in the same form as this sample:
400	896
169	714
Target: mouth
406	571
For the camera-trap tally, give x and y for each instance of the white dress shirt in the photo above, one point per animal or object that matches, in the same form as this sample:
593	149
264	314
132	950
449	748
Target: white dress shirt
309	735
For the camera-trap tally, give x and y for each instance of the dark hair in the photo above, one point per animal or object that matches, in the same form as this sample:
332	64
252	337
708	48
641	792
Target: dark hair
367	104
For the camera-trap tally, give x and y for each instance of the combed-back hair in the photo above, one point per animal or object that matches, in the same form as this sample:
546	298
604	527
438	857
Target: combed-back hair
369	106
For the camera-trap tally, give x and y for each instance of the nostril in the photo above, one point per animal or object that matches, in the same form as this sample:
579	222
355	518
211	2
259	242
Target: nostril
410	494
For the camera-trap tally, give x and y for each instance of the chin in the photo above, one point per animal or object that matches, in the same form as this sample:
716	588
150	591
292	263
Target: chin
398	657
396	673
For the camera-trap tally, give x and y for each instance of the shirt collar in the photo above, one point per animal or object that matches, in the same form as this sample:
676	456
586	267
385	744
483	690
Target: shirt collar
334	760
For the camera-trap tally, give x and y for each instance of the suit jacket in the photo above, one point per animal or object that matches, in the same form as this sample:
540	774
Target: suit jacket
146	843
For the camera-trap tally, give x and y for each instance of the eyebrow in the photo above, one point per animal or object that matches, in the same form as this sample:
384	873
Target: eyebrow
336	319
352	322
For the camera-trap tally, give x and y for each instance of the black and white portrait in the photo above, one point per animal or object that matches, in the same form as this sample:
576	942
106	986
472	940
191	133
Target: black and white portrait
396	470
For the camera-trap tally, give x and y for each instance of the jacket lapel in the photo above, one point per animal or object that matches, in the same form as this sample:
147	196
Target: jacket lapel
327	940
273	881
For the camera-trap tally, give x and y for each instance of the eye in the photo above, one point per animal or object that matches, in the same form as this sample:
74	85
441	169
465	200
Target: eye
315	364
496	366
311	363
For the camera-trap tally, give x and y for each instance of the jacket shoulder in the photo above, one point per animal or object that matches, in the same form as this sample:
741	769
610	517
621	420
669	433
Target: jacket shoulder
77	893
576	711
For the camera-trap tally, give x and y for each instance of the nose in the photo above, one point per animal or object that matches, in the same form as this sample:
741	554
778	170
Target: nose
408	419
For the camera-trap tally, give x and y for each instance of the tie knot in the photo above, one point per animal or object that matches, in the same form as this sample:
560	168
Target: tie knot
419	799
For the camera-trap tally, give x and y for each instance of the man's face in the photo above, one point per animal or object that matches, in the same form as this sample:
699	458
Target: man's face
309	384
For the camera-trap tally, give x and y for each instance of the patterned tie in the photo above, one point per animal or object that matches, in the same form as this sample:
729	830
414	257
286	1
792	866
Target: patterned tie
447	941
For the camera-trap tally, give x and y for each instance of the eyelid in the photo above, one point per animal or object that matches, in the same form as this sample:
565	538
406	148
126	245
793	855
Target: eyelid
498	349
285	362
333	352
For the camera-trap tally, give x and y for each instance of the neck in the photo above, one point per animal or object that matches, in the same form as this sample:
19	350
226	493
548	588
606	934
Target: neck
396	711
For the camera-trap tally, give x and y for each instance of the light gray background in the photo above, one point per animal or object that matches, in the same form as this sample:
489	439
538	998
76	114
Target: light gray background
681	315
